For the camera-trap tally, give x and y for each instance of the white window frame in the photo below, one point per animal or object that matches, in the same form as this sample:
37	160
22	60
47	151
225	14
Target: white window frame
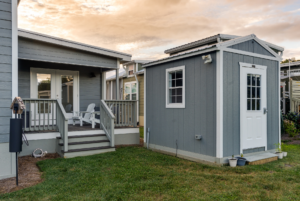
175	105
130	83
131	70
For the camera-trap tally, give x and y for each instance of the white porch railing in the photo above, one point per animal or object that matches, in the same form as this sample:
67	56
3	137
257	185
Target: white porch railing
46	115
107	122
125	112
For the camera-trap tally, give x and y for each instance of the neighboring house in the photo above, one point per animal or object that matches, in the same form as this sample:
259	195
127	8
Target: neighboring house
294	69
215	98
56	78
131	85
111	86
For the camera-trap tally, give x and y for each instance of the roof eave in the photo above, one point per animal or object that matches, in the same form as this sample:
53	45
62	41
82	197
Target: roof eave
72	44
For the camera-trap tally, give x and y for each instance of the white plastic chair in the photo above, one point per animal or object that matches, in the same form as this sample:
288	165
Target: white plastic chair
89	116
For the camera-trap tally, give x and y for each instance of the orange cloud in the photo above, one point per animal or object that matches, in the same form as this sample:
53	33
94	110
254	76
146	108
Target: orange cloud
145	28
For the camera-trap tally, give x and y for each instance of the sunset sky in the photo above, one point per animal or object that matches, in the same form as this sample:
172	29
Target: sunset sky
145	28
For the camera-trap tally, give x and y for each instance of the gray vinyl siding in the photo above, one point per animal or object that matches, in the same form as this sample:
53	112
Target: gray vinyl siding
89	88
41	51
198	116
251	46
231	98
5	68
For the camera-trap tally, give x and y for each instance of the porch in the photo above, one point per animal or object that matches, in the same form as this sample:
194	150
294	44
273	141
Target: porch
58	80
47	126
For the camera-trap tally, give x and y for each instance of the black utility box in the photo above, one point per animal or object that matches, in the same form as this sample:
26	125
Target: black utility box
15	137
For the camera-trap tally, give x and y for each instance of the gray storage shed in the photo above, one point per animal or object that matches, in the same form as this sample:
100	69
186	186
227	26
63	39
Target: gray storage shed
223	89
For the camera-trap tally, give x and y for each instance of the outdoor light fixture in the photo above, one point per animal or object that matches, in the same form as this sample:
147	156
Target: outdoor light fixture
92	74
207	59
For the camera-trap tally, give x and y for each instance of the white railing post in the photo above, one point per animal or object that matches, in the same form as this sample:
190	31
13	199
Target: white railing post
112	133
65	131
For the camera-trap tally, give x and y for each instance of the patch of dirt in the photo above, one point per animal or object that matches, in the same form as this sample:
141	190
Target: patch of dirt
287	165
29	174
132	145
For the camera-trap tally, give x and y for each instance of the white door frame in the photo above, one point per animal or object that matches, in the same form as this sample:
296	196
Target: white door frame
55	86
243	104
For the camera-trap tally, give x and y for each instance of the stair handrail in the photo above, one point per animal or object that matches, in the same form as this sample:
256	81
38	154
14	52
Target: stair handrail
62	123
107	122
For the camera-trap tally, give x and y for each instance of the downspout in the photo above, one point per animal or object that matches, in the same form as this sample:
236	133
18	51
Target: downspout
137	97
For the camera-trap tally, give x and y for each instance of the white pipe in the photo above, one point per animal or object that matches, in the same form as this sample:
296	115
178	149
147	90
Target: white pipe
289	78
137	96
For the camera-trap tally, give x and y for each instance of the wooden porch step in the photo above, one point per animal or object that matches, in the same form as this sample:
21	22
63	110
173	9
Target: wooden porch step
261	158
84	142
87	149
81	136
71	153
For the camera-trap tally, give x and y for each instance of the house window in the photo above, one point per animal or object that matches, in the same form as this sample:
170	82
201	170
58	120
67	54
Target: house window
130	91
130	70
175	87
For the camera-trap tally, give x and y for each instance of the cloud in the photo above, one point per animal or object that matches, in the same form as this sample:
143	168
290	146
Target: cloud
145	28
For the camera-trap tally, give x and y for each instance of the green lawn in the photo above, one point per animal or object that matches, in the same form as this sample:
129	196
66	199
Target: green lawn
135	173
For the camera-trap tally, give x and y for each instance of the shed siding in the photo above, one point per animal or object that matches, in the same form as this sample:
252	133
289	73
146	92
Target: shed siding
5	68
41	51
251	46
89	88
199	115
231	109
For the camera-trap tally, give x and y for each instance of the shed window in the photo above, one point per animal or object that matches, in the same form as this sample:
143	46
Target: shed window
175	91
130	70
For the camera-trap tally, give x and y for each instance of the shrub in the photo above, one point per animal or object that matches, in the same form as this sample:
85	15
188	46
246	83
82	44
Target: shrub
290	128
294	117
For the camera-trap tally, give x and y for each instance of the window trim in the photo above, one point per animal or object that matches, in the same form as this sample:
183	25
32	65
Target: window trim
175	105
131	70
130	83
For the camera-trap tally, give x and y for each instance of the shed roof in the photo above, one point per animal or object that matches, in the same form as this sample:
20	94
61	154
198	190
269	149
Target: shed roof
213	47
72	44
213	39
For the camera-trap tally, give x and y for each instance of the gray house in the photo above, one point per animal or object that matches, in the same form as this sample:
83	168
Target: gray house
58	79
214	98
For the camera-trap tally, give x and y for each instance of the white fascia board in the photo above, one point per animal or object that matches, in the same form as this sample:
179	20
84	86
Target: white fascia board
14	8
250	54
279	91
75	64
235	41
267	47
219	95
271	45
73	44
180	57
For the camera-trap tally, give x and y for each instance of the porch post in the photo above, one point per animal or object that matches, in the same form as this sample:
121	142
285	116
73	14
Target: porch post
103	85
117	80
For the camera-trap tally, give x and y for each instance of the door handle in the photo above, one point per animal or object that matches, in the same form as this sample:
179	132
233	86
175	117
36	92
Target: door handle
265	111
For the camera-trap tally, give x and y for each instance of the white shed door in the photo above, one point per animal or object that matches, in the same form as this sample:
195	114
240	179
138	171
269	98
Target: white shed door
253	106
